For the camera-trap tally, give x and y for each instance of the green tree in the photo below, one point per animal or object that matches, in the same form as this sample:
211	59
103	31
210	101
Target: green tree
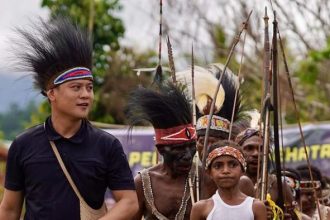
314	91
112	64
98	17
118	83
16	119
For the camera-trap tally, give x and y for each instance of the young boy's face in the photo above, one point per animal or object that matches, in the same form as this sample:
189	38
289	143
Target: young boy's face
225	171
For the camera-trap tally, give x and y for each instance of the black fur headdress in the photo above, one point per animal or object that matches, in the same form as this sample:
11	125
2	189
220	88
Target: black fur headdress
50	48
167	108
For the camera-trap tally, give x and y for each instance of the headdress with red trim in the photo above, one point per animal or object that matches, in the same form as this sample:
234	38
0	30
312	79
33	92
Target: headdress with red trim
206	81
55	52
167	108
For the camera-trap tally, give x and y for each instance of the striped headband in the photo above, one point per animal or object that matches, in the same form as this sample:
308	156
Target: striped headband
74	73
225	151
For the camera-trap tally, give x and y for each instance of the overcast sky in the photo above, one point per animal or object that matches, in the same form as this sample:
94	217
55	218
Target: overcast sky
16	87
15	13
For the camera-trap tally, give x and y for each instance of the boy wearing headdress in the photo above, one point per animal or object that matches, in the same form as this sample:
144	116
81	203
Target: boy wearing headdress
163	190
59	55
225	165
205	82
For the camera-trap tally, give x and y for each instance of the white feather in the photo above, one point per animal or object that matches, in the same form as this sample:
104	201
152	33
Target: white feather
205	87
255	118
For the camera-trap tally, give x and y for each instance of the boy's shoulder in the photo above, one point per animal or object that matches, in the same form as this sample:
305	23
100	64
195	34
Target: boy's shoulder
203	208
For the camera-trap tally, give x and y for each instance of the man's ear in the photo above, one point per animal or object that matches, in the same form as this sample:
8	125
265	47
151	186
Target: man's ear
51	94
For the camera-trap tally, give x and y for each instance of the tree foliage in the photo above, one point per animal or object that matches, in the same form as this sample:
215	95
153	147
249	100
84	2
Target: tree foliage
99	18
304	28
113	65
15	120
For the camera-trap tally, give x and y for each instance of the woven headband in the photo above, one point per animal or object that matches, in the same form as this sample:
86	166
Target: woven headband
217	123
225	151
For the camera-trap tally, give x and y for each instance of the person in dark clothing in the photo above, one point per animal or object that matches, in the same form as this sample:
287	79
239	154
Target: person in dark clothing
60	56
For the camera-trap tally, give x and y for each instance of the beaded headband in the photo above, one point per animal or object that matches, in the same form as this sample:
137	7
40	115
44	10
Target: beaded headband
217	123
225	151
74	73
310	185
175	135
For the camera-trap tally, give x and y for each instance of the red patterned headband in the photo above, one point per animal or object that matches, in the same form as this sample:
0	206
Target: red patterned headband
222	151
176	135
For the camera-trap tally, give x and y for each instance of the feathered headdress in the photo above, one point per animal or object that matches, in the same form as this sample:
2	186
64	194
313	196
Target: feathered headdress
167	108
206	81
56	51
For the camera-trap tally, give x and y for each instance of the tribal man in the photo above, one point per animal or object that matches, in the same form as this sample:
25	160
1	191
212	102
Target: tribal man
163	190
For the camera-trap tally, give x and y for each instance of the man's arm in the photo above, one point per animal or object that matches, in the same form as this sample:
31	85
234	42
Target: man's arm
125	207
140	195
259	210
11	205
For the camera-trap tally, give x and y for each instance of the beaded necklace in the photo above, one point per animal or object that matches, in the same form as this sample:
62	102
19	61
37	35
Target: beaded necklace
148	193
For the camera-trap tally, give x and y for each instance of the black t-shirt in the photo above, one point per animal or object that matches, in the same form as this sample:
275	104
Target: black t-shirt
94	159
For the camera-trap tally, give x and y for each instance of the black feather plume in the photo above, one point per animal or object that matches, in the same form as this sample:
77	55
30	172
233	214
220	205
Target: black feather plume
50	48
166	107
229	85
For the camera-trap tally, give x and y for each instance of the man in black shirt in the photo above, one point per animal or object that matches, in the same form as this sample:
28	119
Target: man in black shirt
60	56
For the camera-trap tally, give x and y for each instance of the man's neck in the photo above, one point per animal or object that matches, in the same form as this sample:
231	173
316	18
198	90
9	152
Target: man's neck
65	127
172	174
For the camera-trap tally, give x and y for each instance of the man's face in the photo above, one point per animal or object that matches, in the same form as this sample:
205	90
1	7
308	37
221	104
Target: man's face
179	158
307	201
72	99
200	144
250	149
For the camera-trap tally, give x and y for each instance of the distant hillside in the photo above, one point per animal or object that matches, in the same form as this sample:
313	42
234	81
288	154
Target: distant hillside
15	88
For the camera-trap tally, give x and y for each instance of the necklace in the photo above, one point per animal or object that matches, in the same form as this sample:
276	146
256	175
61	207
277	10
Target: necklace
148	194
183	205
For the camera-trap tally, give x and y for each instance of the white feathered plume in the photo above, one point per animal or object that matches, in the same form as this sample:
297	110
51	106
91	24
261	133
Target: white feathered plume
205	86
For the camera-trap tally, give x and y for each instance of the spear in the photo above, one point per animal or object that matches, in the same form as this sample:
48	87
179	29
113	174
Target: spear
265	111
170	59
207	133
159	71
194	117
280	199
